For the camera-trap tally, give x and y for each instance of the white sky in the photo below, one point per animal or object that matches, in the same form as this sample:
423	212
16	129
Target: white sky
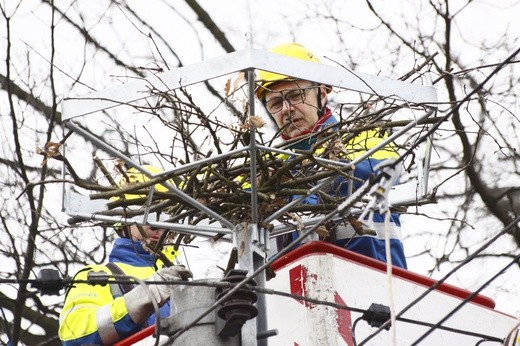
267	20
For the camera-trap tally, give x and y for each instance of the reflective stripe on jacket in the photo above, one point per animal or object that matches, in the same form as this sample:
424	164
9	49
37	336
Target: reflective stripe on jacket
91	314
372	246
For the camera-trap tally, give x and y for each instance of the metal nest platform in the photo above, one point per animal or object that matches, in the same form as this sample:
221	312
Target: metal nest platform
211	193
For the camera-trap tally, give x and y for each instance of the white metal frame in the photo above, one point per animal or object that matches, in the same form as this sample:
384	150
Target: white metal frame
245	60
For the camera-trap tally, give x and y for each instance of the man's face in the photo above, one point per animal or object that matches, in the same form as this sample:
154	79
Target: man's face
152	234
294	106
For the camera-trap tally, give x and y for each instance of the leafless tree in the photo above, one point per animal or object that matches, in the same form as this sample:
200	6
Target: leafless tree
82	48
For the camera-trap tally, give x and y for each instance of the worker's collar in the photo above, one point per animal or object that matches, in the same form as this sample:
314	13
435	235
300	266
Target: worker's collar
131	252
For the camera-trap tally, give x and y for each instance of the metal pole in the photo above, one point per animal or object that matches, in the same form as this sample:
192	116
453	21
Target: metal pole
254	248
252	143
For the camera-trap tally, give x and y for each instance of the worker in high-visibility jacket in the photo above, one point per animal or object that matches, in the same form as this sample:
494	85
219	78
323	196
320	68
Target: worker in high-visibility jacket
105	314
299	108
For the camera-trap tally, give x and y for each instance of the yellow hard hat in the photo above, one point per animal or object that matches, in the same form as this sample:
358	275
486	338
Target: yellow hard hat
136	177
133	177
293	50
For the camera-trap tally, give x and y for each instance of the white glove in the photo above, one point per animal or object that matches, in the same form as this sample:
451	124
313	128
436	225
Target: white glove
138	301
161	293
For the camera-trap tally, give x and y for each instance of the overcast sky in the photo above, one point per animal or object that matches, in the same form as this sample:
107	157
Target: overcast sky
268	21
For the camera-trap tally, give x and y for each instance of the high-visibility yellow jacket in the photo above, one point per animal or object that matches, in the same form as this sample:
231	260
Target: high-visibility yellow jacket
97	315
345	235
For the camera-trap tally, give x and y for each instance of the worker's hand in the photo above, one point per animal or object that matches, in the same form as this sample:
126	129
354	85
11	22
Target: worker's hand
173	273
139	300
161	292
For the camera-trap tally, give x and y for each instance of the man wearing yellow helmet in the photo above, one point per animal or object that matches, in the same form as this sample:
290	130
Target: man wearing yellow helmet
105	314
275	89
299	108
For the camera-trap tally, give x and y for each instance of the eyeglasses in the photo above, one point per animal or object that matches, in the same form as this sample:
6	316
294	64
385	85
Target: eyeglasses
293	97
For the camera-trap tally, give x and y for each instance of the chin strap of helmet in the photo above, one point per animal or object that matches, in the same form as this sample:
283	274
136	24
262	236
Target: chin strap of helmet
123	231
321	108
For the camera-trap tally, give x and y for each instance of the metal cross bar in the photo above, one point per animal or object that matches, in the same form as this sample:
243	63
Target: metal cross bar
241	61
